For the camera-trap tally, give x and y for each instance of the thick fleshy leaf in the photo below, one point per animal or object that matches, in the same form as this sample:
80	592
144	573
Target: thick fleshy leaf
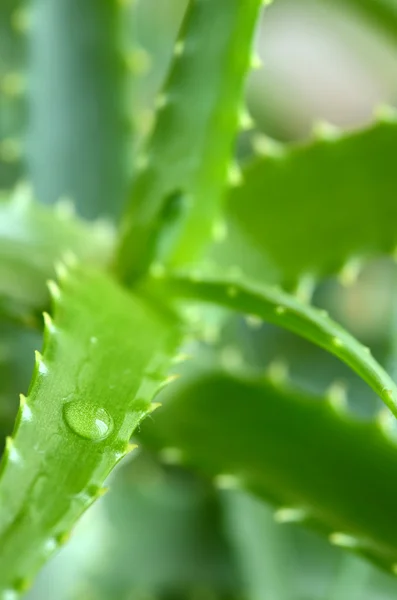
105	355
274	306
320	465
308	209
182	171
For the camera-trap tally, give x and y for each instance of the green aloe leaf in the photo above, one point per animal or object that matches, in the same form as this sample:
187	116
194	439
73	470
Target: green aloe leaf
320	465
311	208
182	170
78	131
105	356
13	42
32	239
282	309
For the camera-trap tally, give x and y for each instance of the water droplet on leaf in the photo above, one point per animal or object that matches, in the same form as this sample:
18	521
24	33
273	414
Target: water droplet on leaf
87	420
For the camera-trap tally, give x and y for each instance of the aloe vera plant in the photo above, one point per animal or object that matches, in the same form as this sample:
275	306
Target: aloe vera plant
213	253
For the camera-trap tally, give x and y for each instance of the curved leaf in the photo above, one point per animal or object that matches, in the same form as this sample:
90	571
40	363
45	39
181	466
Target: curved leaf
104	358
182	171
321	466
285	310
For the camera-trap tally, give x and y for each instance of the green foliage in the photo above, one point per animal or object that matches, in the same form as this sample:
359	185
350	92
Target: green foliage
182	170
275	306
83	405
13	24
32	239
325	175
125	315
263	436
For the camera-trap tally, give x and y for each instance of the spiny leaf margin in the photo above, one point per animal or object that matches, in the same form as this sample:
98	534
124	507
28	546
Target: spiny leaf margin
105	355
182	171
319	464
311	208
271	304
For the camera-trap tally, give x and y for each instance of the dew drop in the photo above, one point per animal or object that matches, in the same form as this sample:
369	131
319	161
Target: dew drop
87	420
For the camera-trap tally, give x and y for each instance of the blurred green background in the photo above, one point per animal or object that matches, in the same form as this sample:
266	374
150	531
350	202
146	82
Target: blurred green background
74	107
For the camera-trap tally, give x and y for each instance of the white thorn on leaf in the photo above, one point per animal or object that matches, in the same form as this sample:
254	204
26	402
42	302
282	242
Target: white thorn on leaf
171	456
54	289
290	515
138	60
226	481
253	321
323	130
231	358
26	413
181	358
246	122
343	540
48	322
267	147
179	48
337	342
50	545
337	397
42	367
234	175
386	422
256	62
168	380
385	113
277	372
350	272
13	454
305	288
60	270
